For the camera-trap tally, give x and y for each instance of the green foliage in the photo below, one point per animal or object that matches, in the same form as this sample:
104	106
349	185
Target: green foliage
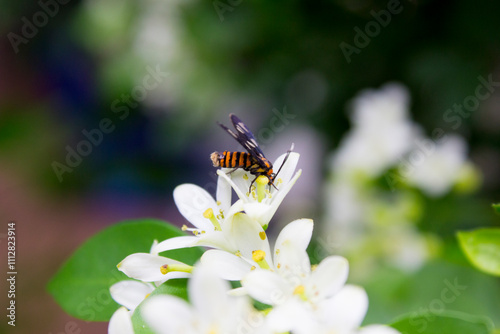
81	286
482	248
496	207
445	323
175	287
436	288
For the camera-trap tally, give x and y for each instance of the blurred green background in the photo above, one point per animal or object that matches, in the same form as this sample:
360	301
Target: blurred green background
159	74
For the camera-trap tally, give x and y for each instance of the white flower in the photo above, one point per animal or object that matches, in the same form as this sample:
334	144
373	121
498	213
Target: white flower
343	313
129	294
289	254
261	203
382	132
202	211
232	228
150	267
303	299
211	309
435	167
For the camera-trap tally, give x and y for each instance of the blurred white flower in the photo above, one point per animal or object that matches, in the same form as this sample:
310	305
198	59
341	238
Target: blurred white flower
121	322
129	294
342	313
381	133
211	309
436	166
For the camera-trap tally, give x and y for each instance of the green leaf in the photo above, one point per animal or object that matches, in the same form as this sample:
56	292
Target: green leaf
444	322
81	286
496	207
175	287
482	248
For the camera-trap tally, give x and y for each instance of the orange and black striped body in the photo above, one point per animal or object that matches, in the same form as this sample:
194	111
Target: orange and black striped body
254	161
243	160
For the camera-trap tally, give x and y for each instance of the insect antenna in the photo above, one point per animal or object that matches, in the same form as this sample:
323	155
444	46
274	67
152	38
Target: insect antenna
286	158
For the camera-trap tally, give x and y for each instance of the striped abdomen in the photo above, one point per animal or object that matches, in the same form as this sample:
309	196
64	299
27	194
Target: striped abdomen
243	160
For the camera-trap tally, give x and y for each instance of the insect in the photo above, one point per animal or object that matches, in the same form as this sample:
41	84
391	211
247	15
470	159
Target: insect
254	161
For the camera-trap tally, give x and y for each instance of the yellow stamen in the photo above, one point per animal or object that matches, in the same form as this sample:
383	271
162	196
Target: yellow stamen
209	214
261	182
259	256
300	290
245	177
168	268
184	228
219	203
262	235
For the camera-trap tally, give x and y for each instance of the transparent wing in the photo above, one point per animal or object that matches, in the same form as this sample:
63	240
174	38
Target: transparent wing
245	137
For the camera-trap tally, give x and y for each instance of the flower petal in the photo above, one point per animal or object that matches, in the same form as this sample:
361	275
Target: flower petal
237	189
145	267
168	314
292	316
192	201
267	287
223	194
214	239
329	277
175	243
345	311
288	168
208	293
130	293
247	236
242	179
228	266
120	322
278	197
290	248
258	211
377	329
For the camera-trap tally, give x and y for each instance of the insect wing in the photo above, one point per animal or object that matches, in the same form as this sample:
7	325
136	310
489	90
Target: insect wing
245	137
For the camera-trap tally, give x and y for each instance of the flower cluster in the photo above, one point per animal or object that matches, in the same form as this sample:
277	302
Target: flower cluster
381	173
298	297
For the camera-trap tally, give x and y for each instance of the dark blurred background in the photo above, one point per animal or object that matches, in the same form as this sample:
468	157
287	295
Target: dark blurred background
155	76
